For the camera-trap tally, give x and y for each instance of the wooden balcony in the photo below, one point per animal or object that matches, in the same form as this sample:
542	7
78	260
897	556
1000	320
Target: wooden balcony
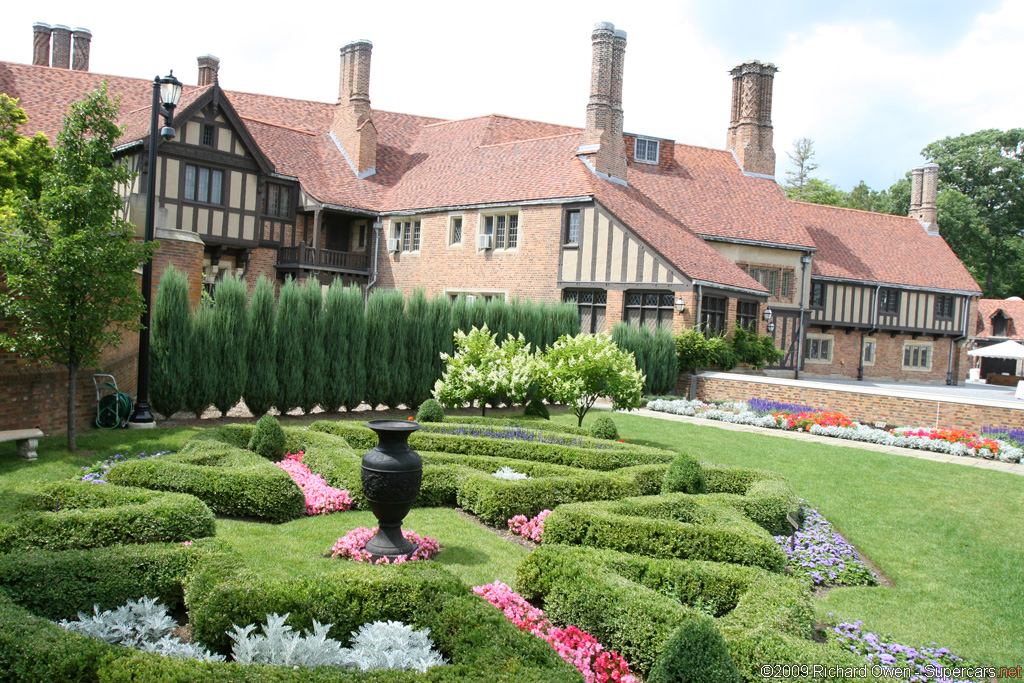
309	258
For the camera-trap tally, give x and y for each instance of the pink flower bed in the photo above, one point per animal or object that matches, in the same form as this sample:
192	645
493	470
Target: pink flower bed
321	499
577	647
531	529
352	546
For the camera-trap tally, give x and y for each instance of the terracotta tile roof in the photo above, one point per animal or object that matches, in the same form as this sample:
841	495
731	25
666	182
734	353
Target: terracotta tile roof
694	257
706	190
1014	310
878	247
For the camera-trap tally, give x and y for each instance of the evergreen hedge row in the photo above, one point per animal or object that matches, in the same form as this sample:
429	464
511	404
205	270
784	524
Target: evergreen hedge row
654	352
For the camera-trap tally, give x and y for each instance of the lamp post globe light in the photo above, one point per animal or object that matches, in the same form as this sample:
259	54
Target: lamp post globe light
166	93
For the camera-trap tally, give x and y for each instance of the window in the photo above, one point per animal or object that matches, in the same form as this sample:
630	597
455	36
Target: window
889	301
408	233
869	351
362	237
999	324
505	229
277	201
746	315
917	356
818	348
712	315
203	184
471	297
209	135
646	151
817	295
455	230
572	226
944	306
650	308
591	305
778	281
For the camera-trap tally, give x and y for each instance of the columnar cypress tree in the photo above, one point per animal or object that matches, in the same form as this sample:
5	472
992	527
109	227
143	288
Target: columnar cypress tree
439	314
229	335
664	360
290	363
354	321
419	345
202	374
654	353
387	372
168	374
477	314
499	320
336	344
312	340
459	320
261	358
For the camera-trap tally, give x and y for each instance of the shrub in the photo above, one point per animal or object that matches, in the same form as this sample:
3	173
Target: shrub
423	348
387	374
169	350
536	408
586	367
484	372
754	350
311	336
764	497
202	377
654	353
430	411
289	331
229	480
228	332
81	515
344	339
684	475
604	428
261	350
268	438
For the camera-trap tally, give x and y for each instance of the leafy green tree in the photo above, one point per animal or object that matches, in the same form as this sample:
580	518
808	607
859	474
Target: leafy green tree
69	259
312	338
228	336
581	369
168	373
23	161
261	350
290	364
484	372
202	369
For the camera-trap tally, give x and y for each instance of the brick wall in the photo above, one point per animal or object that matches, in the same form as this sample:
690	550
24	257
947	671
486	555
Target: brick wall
261	262
864	404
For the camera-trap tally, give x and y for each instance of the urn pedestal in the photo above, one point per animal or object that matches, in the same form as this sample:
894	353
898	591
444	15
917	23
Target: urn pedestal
392	473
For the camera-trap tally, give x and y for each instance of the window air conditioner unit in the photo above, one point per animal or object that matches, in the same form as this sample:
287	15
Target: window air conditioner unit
470	298
483	241
393	244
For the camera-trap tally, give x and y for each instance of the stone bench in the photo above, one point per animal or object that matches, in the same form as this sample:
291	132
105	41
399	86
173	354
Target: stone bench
28	441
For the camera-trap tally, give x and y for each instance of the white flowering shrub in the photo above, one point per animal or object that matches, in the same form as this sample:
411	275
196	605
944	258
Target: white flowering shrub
507	472
483	371
143	625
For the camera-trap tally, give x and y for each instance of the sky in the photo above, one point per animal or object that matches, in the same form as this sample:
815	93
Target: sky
871	82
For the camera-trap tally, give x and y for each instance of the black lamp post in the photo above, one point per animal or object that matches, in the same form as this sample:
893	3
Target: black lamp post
166	92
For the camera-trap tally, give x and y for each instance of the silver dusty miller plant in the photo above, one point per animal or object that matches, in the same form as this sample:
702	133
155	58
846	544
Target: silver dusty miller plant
380	645
143	625
507	472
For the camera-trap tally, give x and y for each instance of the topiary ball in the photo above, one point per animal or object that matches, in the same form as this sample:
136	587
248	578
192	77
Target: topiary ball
604	428
430	411
536	408
268	438
684	475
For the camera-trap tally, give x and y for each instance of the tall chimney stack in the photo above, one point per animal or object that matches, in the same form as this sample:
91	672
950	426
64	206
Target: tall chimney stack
41	43
602	146
916	177
61	54
80	59
929	191
750	124
208	68
353	127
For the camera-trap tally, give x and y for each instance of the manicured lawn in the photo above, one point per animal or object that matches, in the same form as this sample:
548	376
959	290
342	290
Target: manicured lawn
949	536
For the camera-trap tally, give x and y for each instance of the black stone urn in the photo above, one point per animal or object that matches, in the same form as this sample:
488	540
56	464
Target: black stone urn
392	474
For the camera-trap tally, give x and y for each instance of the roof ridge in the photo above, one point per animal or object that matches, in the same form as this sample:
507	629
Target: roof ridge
278	125
543	137
847	208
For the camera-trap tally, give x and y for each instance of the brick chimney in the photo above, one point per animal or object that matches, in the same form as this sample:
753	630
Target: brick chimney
353	128
61	54
41	44
208	68
750	123
80	51
602	146
924	189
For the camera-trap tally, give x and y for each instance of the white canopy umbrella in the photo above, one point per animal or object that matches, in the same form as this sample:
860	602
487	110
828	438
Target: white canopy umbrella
1006	349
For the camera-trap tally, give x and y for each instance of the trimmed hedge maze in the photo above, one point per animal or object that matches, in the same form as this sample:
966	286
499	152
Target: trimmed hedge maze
669	561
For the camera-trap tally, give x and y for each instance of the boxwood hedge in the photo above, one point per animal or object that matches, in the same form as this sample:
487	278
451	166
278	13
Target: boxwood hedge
77	515
765	497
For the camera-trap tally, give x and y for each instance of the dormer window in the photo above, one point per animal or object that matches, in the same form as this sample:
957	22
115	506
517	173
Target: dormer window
999	325
646	151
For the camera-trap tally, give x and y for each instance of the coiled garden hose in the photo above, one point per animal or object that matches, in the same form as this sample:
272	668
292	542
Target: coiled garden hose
114	409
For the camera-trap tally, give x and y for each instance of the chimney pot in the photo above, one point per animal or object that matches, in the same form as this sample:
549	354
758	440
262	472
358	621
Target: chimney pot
602	144
83	39
750	135
61	54
916	176
209	66
41	43
929	191
353	127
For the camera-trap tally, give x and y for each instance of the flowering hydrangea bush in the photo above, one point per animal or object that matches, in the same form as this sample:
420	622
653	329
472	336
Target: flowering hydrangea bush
839	426
531	529
321	499
927	663
97	474
352	546
577	647
818	554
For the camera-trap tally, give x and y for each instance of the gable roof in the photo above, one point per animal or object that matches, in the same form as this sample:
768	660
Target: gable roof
1012	309
882	249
